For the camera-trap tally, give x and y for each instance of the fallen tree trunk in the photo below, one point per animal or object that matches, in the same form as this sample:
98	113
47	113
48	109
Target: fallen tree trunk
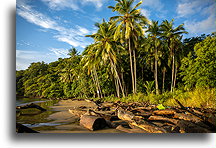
92	122
164	112
187	117
165	119
130	130
212	119
76	112
189	127
150	128
203	118
31	105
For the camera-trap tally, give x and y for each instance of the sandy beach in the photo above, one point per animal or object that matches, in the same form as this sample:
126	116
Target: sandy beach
69	123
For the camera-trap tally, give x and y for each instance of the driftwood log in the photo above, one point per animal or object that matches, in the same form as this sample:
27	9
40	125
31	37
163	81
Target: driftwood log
139	118
203	118
161	118
31	105
165	112
188	117
77	112
130	130
92	122
149	127
190	127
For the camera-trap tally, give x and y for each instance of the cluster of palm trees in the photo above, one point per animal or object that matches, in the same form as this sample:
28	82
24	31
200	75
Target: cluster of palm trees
127	34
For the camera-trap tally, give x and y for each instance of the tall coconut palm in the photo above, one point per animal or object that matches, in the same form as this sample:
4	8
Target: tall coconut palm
130	27
91	61
172	36
155	42
107	49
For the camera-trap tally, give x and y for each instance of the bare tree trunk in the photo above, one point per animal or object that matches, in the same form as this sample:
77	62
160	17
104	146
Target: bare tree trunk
131	66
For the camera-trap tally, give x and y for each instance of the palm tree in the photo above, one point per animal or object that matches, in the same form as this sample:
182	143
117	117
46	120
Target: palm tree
155	43
107	49
91	61
172	36
130	27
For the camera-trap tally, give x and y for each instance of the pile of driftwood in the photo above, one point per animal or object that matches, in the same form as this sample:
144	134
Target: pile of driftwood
145	118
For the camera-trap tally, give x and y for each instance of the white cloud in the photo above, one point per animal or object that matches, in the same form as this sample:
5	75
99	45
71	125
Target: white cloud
72	4
146	13
61	4
35	17
187	8
25	57
154	4
84	31
205	26
73	36
97	3
59	52
192	9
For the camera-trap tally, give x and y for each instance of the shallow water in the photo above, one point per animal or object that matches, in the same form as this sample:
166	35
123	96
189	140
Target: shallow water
33	117
56	119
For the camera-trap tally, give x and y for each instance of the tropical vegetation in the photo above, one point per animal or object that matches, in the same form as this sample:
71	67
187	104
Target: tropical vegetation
131	59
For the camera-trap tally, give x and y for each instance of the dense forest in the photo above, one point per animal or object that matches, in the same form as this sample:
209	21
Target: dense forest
131	59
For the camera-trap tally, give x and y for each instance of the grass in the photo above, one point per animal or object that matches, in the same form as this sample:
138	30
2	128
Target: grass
199	97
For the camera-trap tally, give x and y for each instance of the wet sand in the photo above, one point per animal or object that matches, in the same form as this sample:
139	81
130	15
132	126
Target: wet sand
65	122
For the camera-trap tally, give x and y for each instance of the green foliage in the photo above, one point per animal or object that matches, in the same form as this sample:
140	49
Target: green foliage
199	97
200	71
149	86
19	82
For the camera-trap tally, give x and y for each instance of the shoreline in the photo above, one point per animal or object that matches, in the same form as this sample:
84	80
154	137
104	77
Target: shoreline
69	123
62	121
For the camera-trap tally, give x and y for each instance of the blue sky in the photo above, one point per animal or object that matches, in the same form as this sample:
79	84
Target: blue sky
46	29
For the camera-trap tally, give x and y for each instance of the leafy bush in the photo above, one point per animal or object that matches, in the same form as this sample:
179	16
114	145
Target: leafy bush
199	70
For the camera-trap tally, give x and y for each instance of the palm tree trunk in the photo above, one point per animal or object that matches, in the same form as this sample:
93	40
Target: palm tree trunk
98	84
94	81
135	86
174	83
156	71
117	87
173	72
164	72
117	77
123	83
131	65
